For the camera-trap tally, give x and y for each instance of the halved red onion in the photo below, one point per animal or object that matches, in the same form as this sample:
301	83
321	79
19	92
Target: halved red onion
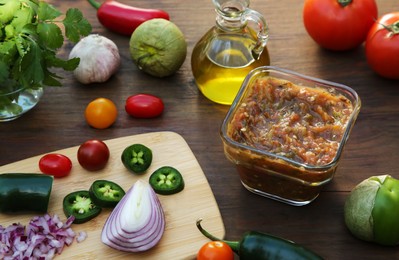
137	223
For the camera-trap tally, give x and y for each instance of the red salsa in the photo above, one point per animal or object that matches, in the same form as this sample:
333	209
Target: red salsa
300	123
304	126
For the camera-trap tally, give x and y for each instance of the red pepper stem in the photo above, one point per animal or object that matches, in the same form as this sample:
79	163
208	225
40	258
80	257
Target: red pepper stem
94	4
234	245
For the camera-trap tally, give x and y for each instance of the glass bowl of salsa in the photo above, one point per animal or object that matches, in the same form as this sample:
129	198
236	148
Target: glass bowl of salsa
285	132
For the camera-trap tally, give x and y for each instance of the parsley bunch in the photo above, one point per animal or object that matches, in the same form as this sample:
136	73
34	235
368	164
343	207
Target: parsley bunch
29	39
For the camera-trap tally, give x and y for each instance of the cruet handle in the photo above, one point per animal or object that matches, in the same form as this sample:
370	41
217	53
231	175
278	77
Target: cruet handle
250	15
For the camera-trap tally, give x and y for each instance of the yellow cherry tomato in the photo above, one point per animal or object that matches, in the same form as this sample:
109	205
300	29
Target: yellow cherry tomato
101	113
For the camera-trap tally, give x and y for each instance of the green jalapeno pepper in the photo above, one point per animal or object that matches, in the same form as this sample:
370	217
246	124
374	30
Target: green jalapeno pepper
25	192
166	181
80	205
259	246
137	158
106	194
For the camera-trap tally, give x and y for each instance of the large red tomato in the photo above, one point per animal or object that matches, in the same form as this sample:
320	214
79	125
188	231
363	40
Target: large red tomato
339	24
382	46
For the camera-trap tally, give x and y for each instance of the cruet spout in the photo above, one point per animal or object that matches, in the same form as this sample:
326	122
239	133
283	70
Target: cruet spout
236	15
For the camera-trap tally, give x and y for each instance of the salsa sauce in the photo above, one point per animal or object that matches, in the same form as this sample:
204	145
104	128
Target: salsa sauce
298	123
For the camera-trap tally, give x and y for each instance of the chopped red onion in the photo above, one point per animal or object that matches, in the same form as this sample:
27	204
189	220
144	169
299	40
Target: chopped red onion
43	238
81	236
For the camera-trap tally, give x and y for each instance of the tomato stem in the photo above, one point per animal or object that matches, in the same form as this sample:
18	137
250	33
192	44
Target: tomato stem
344	3
392	28
395	27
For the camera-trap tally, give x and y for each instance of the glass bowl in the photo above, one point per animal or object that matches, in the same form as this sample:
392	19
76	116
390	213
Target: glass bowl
285	132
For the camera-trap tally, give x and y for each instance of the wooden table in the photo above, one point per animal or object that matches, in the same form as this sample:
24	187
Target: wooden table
58	122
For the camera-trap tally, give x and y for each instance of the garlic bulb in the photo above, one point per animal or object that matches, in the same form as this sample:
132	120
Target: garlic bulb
99	59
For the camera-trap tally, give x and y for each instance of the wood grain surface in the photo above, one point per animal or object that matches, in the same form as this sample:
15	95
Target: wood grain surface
58	122
181	239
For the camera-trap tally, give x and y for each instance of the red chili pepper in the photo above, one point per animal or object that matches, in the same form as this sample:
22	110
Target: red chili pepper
124	19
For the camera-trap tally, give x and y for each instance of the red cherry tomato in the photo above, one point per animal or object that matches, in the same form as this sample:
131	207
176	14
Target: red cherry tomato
144	106
382	46
215	250
339	24
93	155
55	164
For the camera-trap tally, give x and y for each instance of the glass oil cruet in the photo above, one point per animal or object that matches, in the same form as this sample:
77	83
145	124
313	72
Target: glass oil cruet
229	50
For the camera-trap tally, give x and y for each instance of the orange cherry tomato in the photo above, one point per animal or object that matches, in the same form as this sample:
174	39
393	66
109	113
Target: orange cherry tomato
215	250
101	113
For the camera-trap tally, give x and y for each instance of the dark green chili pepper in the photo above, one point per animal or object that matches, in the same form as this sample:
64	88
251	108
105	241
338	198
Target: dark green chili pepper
106	194
259	246
25	192
166	181
80	205
137	158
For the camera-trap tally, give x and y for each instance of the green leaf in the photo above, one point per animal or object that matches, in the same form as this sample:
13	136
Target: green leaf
30	29
47	12
22	16
53	61
8	50
21	45
50	35
75	25
30	69
4	71
29	40
51	79
7	10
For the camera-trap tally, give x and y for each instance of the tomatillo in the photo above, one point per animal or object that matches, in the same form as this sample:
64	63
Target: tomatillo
372	210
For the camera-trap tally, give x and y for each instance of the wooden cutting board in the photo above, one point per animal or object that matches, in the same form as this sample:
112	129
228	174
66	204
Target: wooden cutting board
181	239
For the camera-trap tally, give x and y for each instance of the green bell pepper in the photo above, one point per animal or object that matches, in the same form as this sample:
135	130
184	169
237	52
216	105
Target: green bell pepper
259	246
25	192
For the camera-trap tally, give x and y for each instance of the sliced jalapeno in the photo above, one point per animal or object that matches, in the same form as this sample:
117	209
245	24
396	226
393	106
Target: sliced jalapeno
137	158
80	205
167	180
106	194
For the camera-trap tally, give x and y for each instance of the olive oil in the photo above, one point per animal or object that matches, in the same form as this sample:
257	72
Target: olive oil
225	55
219	74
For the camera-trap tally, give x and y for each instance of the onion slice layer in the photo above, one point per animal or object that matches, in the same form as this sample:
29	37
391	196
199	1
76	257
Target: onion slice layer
137	223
